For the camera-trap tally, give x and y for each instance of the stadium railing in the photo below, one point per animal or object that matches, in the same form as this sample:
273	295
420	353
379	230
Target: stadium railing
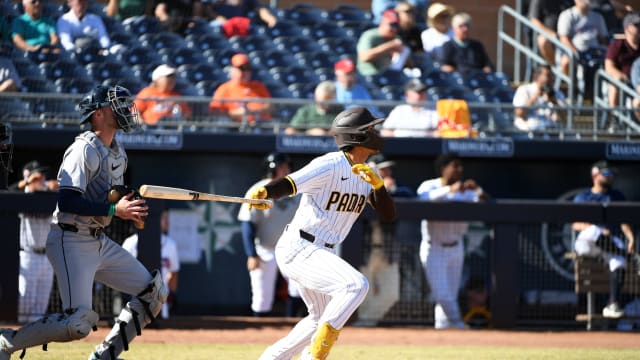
626	94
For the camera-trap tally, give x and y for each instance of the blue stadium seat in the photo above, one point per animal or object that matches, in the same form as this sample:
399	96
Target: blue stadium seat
316	60
285	28
14	108
273	58
207	87
37	84
219	57
181	56
295	44
338	46
326	30
112	25
41	56
480	79
52	107
349	13
424	62
301	90
393	92
164	40
503	94
10	10
303	14
388	77
137	55
280	92
53	9
199	27
124	38
139	25
207	41
91	54
355	29
247	44
62	68
133	84
294	74
73	85
185	88
109	70
143	71
199	72
441	78
25	68
325	74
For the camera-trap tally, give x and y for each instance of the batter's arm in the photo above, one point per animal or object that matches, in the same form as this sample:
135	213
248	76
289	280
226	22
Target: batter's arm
382	202
280	188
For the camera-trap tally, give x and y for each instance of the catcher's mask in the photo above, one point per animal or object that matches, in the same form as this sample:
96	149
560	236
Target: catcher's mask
356	127
120	101
6	146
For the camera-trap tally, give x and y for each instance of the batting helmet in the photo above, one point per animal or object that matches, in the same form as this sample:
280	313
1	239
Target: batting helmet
355	127
273	160
120	101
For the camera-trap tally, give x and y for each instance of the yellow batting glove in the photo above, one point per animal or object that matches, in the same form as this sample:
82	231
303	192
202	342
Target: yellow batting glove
259	193
367	174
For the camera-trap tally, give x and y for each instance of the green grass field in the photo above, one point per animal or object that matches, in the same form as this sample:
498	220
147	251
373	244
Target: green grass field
80	350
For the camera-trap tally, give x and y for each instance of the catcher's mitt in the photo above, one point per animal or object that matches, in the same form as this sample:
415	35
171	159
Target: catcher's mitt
118	191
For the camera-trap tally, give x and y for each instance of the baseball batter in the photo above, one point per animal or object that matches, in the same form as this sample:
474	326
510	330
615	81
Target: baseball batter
335	189
77	247
260	233
441	249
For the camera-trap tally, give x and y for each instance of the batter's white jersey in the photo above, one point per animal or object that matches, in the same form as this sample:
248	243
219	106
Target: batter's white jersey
332	197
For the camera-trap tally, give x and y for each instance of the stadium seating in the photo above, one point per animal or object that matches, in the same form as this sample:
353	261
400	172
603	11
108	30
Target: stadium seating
295	44
301	90
37	84
247	44
163	40
303	14
198	72
284	28
139	25
101	71
73	85
181	56
62	69
273	58
133	84
143	71
326	30
207	87
137	55
204	42
294	74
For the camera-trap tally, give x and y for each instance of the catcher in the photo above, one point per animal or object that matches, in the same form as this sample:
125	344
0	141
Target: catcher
77	247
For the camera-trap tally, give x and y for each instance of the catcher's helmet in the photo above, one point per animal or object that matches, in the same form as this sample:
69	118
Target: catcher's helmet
355	127
120	101
273	160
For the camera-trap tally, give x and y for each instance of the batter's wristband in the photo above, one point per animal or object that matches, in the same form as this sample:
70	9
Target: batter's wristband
112	209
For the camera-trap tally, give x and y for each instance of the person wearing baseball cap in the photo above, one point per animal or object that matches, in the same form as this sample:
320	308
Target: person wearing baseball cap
439	31
412	119
241	86
606	240
152	109
463	54
621	54
377	46
348	90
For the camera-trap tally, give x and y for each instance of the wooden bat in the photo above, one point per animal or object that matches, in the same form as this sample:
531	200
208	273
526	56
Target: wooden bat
171	193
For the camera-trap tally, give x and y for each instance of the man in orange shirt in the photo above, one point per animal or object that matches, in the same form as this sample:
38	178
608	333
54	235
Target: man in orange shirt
241	87
163	80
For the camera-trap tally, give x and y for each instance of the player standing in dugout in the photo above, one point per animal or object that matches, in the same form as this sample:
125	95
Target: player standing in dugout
335	188
77	247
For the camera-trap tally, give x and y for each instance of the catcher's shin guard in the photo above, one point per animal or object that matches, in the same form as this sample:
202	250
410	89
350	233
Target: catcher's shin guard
138	313
71	325
325	337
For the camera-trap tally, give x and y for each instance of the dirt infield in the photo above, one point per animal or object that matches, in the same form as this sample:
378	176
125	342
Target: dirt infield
261	331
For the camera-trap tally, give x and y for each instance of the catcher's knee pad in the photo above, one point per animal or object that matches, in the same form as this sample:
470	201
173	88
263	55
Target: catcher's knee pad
325	337
71	325
154	295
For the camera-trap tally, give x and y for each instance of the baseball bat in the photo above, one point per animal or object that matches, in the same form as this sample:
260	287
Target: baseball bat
172	193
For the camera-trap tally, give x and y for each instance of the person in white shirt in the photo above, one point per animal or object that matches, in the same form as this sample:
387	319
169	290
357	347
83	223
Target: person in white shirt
169	255
439	31
78	28
442	248
412	119
539	94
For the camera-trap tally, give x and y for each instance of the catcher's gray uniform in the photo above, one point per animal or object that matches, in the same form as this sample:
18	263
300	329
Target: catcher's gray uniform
80	252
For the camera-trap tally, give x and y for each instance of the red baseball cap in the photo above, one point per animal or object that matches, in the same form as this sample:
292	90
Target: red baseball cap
390	15
239	60
345	65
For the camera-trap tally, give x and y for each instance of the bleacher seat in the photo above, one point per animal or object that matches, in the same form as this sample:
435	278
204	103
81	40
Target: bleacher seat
325	74
442	79
139	25
503	94
163	40
91	54
143	71
481	79
10	10
199	27
301	90
249	43
295	44
393	92
294	74
273	58
205	42
349	13
113	25
303	14
207	87
124	38
25	68
37	84
326	30
199	72
133	84
280	92
284	28
101	71
41	56
53	9
185	88
62	68
339	47
14	108
73	85
424	62
316	60
137	55
219	57
355	29
388	77
181	56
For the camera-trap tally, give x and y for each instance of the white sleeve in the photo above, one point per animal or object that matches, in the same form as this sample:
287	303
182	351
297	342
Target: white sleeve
390	122
429	190
520	98
313	177
172	255
79	164
131	245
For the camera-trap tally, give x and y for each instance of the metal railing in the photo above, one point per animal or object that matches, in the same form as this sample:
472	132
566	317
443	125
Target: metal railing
520	48
623	113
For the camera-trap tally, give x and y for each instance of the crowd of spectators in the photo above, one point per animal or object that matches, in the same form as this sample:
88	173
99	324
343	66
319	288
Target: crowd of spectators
398	41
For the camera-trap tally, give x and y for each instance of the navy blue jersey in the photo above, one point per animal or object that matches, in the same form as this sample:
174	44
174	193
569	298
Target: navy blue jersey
605	197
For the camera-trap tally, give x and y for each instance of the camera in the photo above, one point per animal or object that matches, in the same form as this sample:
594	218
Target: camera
546	89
